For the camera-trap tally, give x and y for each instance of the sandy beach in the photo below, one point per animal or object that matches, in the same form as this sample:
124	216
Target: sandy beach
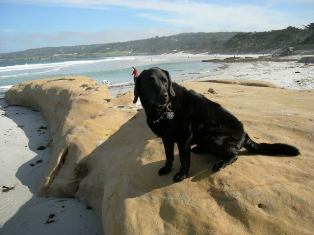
23	131
285	74
101	152
290	75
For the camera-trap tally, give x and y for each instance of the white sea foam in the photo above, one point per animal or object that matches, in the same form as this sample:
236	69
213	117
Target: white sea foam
3	89
6	87
14	75
60	64
29	73
121	84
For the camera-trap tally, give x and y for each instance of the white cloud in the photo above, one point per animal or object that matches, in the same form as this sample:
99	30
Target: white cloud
296	1
207	17
198	16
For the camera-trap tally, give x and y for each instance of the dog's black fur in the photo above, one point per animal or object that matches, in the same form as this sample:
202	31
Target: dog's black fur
196	120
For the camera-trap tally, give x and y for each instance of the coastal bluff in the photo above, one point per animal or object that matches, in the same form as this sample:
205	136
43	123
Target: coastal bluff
102	151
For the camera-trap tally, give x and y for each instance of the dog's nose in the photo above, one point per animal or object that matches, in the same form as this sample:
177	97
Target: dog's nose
164	96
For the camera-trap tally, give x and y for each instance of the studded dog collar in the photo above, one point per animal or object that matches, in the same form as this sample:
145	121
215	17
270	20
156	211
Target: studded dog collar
169	114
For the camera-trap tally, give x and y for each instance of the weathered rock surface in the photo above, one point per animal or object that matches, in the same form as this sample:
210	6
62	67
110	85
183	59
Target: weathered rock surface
80	116
103	151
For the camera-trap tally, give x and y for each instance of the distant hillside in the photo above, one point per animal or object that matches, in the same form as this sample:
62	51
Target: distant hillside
222	42
269	42
189	42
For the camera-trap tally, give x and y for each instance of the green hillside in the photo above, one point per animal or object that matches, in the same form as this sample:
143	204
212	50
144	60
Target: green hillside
267	42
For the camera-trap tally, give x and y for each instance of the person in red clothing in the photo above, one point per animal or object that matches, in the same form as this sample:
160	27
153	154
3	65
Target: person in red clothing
135	73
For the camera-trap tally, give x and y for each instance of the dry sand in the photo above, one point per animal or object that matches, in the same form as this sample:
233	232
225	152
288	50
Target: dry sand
291	75
102	151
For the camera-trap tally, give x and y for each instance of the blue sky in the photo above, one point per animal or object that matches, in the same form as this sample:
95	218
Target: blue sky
28	24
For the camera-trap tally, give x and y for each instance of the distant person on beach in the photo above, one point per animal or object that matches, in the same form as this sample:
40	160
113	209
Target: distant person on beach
135	73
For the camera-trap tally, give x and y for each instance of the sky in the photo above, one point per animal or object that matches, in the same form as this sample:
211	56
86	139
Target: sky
26	24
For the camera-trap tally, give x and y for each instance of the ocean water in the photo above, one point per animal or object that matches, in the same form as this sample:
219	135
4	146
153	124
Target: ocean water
116	70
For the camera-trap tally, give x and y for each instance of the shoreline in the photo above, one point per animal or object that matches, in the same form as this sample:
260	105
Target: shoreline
103	66
223	61
285	74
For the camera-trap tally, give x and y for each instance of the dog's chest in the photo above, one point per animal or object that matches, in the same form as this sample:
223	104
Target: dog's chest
166	129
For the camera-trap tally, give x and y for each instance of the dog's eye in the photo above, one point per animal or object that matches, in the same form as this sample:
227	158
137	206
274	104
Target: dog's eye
163	79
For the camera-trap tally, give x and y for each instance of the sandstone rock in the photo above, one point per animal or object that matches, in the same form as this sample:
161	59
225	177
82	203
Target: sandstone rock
78	119
104	152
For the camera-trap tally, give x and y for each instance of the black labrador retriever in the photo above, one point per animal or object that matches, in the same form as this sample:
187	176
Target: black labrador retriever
187	118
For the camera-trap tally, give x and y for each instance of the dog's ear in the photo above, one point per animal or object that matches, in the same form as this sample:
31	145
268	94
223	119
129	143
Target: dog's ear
135	91
136	81
135	96
170	89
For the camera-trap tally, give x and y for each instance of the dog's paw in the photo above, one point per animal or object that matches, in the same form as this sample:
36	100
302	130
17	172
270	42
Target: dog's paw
164	170
218	166
179	177
222	164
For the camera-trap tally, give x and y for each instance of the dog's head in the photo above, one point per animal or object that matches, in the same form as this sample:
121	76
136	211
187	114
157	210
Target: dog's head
154	88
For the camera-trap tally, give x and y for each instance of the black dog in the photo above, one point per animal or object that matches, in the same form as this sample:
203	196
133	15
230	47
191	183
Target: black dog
187	118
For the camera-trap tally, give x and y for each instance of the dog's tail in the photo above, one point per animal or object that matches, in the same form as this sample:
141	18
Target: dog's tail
269	149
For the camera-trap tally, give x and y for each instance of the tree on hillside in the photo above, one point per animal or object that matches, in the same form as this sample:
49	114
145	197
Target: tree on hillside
310	39
310	26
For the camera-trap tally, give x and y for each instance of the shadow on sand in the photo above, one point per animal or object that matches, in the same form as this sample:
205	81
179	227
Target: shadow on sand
129	161
69	215
34	127
132	156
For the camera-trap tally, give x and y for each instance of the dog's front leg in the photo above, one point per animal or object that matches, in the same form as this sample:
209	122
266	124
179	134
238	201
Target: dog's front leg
169	147
185	156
